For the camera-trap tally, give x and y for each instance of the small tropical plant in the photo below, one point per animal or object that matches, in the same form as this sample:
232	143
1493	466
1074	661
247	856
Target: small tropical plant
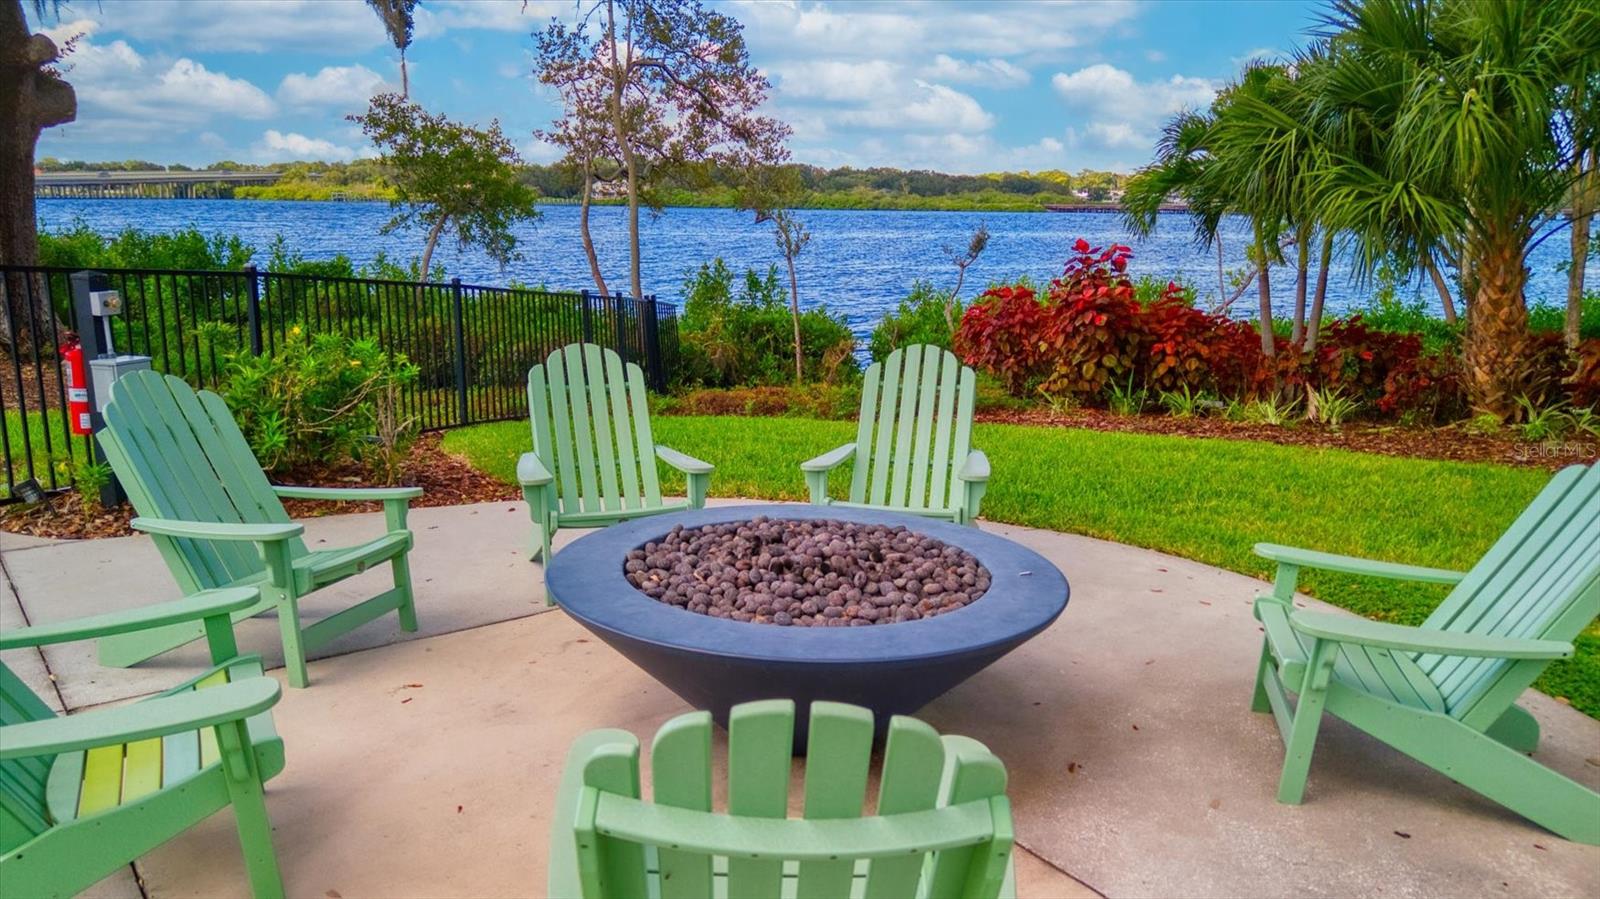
1126	399
1330	406
1551	422
1269	410
1183	403
88	478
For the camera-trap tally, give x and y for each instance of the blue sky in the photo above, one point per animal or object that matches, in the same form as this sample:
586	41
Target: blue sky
961	87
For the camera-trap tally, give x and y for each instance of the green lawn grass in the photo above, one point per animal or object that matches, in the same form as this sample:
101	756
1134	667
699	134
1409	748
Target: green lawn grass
1207	500
40	436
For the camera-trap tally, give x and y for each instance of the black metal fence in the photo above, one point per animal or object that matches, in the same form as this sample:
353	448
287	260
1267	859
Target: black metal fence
472	345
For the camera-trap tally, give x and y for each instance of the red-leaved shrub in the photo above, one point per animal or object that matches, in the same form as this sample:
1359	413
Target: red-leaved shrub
1092	334
999	334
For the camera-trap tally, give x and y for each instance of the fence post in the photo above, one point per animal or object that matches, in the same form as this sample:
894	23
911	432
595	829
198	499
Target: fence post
461	349
622	328
587	318
651	332
253	310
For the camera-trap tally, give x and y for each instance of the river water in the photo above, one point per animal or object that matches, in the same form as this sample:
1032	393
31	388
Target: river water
859	263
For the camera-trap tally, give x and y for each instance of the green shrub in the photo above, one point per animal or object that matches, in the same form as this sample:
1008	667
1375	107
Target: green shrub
920	318
79	246
320	399
1553	316
747	339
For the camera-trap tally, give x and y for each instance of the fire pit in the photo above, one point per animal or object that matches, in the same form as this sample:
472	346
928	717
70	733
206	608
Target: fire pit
695	598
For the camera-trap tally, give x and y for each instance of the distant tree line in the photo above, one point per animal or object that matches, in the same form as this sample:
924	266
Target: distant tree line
559	181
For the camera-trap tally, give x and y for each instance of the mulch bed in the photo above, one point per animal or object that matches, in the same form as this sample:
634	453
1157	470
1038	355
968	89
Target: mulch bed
445	480
1448	442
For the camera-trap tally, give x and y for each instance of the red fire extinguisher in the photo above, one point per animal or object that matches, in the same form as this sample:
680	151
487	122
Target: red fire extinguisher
77	389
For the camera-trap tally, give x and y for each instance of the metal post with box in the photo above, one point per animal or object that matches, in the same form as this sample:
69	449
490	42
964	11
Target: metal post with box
94	302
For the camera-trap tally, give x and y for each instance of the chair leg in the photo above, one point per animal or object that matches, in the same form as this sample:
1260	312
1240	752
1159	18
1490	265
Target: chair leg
1516	729
407	610
294	652
1259	702
536	542
250	815
1480	762
1302	738
817	486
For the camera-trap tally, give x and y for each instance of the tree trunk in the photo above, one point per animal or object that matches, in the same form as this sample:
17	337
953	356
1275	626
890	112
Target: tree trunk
794	312
405	78
634	276
1583	208
630	158
1314	323
31	99
1439	284
950	301
1222	283
1301	274
1495	354
427	249
588	239
1269	347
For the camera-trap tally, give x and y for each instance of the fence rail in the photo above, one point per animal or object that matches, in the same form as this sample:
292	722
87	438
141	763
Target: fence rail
472	344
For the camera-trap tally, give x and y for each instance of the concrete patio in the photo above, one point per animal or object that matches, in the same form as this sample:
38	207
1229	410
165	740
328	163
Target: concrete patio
424	764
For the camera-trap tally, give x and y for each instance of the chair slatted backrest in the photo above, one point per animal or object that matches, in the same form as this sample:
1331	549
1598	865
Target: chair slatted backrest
1540	580
179	454
915	429
591	428
921	772
24	811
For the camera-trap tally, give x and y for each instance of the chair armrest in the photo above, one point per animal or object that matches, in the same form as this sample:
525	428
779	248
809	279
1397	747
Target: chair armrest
1382	635
217	530
683	463
976	468
829	460
141	720
347	494
531	471
1306	558
205	604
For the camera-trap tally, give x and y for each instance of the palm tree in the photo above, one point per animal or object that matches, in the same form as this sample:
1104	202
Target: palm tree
1456	141
1179	170
398	18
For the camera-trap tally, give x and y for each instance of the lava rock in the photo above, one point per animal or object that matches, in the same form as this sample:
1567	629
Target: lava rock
806	573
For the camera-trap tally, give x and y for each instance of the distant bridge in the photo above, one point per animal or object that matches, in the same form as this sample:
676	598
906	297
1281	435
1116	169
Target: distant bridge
154	183
1106	207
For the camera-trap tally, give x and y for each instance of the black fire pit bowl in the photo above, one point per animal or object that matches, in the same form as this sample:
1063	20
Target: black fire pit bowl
892	669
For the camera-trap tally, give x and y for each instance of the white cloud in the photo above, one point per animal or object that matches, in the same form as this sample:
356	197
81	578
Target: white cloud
344	86
121	91
1125	113
994	72
873	94
439	16
276	146
253	26
914	30
1259	54
829	79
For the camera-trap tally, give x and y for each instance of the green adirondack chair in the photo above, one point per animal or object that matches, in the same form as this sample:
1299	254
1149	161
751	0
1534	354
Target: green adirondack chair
1443	693
943	823
912	449
593	460
83	795
218	522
